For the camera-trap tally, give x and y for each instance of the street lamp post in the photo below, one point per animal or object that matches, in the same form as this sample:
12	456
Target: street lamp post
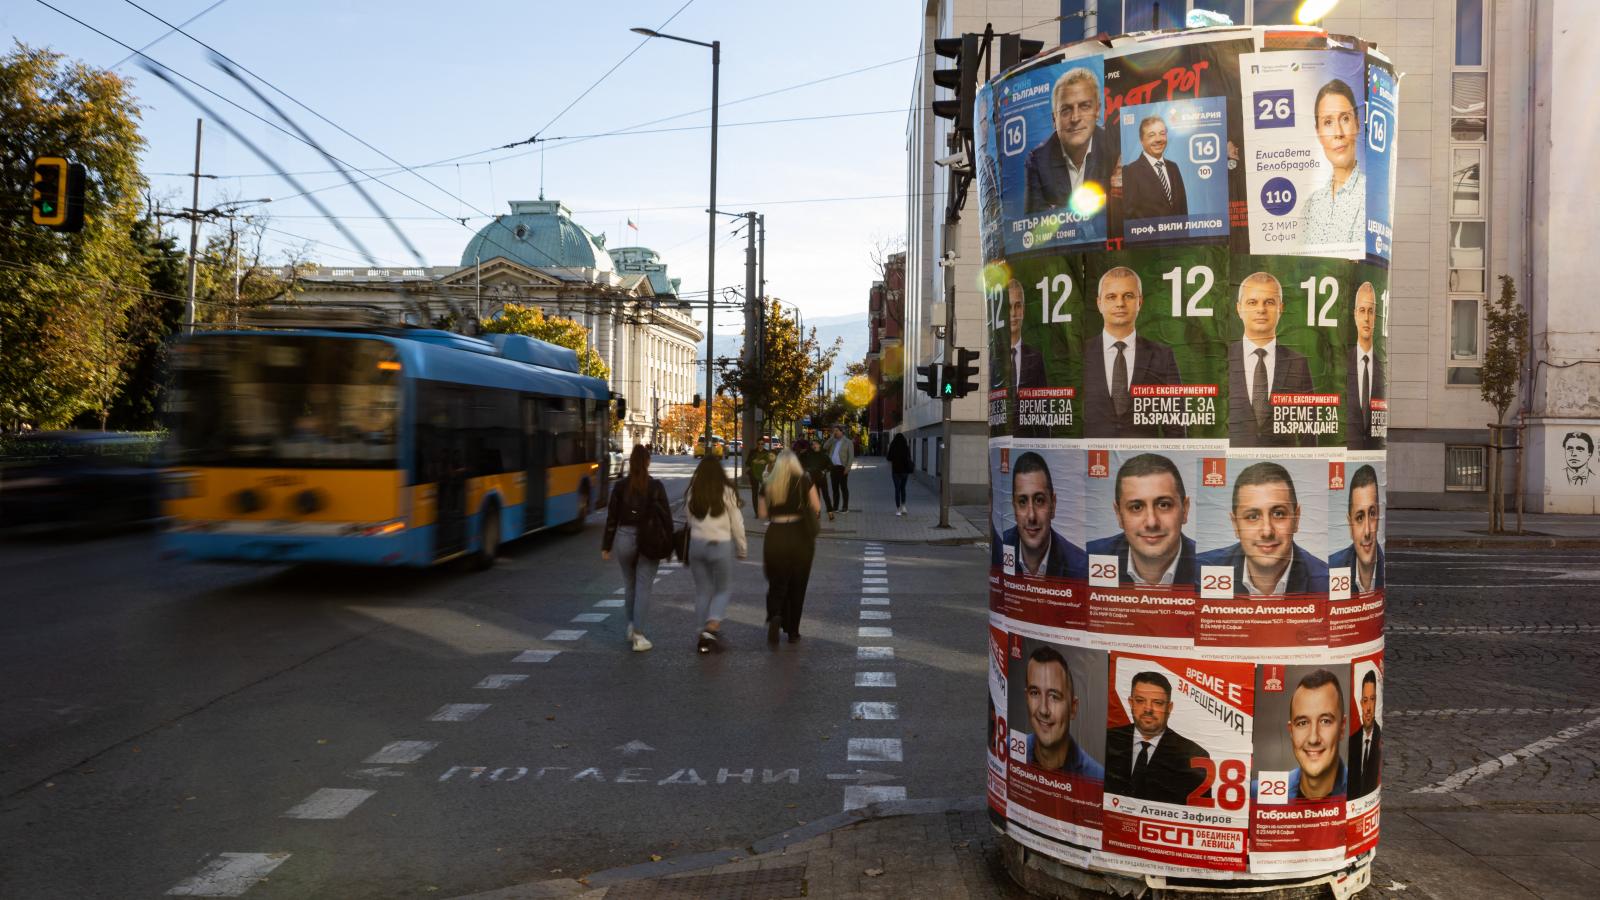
711	213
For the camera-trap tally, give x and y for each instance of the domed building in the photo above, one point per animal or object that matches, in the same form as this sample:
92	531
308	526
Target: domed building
538	256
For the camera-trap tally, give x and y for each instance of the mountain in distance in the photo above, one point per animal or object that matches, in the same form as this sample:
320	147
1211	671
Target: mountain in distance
851	327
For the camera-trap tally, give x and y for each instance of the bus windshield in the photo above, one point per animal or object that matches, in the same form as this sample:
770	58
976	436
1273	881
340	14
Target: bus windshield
285	401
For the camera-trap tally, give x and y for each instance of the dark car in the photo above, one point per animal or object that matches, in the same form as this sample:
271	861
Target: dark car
78	478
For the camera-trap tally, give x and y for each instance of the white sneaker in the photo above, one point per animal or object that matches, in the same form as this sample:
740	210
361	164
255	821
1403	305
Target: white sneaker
631	633
640	642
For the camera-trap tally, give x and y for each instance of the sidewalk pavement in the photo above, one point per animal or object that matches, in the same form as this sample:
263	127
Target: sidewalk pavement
871	516
1437	528
947	849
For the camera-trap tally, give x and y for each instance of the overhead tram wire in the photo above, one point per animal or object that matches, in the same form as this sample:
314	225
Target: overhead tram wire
155	67
170	30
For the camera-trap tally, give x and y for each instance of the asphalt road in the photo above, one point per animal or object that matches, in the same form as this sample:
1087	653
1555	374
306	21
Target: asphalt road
159	717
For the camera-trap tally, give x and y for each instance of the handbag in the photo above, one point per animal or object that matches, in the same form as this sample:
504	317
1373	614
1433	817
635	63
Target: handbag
680	533
655	539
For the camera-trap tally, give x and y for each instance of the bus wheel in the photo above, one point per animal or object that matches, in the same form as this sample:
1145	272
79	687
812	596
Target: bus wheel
488	538
576	525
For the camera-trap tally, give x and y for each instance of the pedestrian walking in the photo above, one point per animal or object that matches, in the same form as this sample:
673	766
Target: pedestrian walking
790	503
639	529
757	470
716	535
900	469
841	452
816	465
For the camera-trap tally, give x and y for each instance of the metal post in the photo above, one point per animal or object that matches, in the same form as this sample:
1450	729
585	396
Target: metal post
752	331
711	238
194	226
952	235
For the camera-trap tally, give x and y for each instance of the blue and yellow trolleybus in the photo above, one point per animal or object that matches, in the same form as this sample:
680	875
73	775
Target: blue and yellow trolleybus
378	446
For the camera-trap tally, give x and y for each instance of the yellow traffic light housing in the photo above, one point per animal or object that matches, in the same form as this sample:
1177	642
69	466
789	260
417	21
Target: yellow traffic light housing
58	193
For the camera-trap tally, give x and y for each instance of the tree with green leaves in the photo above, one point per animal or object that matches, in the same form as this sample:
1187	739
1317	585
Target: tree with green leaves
152	319
783	384
1505	353
65	298
517	318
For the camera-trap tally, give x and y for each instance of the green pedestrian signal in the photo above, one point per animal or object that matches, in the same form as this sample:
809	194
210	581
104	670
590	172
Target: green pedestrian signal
58	193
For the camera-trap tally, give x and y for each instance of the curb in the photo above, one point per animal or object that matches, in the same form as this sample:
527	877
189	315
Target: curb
596	881
1491	543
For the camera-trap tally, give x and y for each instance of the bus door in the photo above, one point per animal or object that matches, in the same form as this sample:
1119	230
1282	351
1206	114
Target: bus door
538	459
448	466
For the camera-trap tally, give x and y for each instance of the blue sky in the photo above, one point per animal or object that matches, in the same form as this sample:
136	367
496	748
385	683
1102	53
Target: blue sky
428	81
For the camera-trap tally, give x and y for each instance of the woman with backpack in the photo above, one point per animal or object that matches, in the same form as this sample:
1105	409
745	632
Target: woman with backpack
639	526
900	469
790	504
716	534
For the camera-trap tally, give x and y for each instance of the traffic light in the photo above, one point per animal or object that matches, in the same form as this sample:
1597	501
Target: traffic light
928	379
58	193
696	401
966	377
962	80
1013	49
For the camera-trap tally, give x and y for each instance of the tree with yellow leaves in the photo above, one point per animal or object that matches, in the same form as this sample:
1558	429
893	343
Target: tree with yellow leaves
517	318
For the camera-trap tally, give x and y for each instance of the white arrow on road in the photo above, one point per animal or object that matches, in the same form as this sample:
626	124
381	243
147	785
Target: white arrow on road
861	776
634	747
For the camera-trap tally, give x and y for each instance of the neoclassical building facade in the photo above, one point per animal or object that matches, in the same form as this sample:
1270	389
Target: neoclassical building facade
537	255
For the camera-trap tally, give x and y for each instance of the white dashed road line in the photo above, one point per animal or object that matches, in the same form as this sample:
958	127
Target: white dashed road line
875	750
400	752
875	679
613	603
329	803
874	710
874	615
229	875
874	601
565	634
874	631
500	682
536	656
590	618
874	653
458	712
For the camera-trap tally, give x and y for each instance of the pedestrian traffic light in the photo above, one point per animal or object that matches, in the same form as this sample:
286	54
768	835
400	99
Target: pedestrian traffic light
1013	49
696	401
58	193
961	80
928	380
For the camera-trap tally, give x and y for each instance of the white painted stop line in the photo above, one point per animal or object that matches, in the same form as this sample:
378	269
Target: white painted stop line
229	875
329	803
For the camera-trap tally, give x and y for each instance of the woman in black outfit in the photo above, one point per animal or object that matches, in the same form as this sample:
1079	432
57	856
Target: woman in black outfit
786	499
900	468
639	522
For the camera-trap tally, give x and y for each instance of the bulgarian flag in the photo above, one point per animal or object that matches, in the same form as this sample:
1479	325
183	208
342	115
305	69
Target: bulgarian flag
633	226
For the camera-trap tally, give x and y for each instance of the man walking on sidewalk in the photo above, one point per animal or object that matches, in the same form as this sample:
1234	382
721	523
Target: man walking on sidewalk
841	456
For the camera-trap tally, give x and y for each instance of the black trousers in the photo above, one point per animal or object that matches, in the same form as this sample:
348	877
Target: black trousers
841	487
820	479
786	558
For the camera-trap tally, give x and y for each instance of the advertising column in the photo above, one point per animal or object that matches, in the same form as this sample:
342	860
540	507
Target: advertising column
1186	242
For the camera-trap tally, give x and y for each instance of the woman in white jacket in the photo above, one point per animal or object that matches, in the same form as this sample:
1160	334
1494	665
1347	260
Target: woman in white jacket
716	534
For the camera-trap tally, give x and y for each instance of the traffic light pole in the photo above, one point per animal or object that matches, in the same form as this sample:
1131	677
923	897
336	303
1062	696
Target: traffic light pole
952	234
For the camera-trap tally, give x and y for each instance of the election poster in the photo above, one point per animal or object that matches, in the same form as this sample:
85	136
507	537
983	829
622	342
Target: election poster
999	497
1141	526
1263	551
1203	72
1174	170
1383	101
1177	763
1042	301
987	167
1364	337
1286	371
1304	152
999	731
1042	562
1301	782
1155	344
1364	754
1057	739
1358	493
1056	155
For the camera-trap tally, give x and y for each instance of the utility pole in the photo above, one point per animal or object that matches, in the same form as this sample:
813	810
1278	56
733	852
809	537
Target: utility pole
194	226
752	331
952	238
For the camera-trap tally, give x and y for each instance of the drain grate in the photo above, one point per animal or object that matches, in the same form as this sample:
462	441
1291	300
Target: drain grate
757	884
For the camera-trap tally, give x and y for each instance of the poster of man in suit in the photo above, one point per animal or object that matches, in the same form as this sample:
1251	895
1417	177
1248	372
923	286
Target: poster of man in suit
1283	383
1356	568
1174	170
1034	544
1142	569
1119	361
1178	734
1366	394
1056	158
1364	756
1056	707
